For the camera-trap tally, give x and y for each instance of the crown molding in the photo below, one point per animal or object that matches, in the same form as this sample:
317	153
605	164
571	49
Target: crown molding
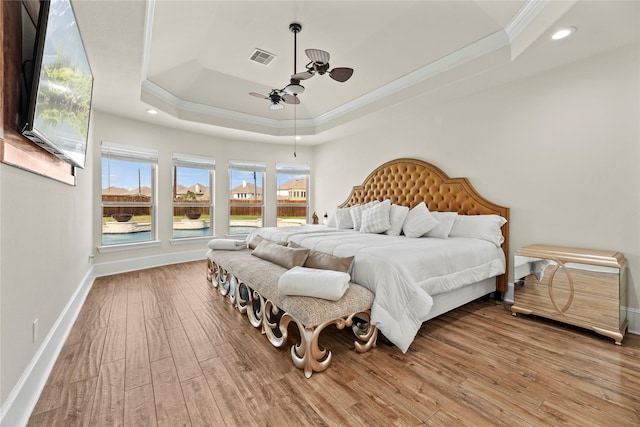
524	17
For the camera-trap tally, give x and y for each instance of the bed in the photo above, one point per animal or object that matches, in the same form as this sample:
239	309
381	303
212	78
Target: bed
413	278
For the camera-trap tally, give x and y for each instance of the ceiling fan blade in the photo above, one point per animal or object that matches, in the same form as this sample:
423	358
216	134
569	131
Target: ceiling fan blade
341	74
290	99
302	76
258	95
318	56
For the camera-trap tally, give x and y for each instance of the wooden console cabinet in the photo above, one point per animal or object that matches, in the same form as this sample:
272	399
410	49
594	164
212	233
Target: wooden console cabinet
581	287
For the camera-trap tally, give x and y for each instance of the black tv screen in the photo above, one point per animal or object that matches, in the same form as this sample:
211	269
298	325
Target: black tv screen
59	106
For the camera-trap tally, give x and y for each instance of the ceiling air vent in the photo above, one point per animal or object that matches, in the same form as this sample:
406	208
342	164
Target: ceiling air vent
261	56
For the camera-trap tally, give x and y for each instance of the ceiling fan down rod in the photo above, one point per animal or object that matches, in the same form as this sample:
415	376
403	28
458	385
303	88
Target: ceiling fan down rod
295	28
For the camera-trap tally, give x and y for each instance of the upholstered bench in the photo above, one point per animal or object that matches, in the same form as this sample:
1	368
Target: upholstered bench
251	283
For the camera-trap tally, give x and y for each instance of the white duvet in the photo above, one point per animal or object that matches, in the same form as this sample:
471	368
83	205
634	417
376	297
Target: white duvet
402	272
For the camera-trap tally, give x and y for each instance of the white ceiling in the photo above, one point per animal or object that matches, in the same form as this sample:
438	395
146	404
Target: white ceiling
190	59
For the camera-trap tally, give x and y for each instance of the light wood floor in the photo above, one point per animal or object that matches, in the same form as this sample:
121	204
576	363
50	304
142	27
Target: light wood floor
161	347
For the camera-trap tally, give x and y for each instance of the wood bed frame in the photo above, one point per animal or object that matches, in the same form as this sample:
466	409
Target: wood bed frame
408	182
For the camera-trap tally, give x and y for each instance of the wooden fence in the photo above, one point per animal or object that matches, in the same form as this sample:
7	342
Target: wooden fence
237	207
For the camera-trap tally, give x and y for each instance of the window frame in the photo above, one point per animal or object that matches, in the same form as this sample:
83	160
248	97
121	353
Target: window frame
256	167
135	154
194	162
293	169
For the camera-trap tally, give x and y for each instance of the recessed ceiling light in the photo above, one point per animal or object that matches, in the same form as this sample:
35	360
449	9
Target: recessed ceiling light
151	111
563	33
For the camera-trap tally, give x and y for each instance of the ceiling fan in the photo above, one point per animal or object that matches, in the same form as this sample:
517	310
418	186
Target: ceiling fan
319	63
276	97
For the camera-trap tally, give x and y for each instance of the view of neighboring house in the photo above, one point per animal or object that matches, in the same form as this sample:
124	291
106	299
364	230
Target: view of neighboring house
246	191
197	192
295	189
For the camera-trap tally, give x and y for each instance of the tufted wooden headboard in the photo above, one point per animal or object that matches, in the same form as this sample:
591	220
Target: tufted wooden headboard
408	182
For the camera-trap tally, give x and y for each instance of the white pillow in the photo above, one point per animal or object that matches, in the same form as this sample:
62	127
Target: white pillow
331	222
486	227
375	219
419	221
445	224
397	215
356	213
343	218
356	216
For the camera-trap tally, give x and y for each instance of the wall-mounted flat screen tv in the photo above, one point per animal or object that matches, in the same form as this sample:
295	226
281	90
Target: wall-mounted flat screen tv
59	105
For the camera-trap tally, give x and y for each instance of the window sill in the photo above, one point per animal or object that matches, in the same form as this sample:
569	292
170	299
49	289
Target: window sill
190	240
128	246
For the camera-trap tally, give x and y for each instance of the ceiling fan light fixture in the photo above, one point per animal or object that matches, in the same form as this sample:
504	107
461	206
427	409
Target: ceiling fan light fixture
294	89
276	106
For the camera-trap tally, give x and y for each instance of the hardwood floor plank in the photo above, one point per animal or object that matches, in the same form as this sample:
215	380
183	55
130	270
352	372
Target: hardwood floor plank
139	407
222	383
119	302
149	302
75	409
157	340
170	317
86	363
171	409
135	318
137	361
202	407
115	340
185	360
108	403
198	339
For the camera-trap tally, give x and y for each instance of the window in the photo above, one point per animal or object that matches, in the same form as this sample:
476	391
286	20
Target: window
192	201
246	203
128	194
292	194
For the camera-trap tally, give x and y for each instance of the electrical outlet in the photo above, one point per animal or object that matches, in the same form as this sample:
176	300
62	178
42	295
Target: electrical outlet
34	331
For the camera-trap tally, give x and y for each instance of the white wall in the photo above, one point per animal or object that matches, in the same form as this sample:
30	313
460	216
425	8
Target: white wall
561	149
45	236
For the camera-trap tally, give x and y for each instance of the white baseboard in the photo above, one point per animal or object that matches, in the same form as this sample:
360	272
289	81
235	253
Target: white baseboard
17	408
134	264
508	296
633	315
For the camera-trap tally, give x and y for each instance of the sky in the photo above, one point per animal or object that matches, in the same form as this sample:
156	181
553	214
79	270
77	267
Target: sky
118	173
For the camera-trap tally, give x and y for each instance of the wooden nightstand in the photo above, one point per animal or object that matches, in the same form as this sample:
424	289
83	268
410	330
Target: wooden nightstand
581	287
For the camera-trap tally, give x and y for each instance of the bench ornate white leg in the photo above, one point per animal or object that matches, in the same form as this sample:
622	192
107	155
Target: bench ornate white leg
310	356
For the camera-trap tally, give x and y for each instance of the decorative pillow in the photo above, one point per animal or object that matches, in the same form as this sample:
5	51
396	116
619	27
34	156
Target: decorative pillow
397	215
419	221
343	218
486	227
375	219
256	239
356	216
356	213
445	224
324	261
281	255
